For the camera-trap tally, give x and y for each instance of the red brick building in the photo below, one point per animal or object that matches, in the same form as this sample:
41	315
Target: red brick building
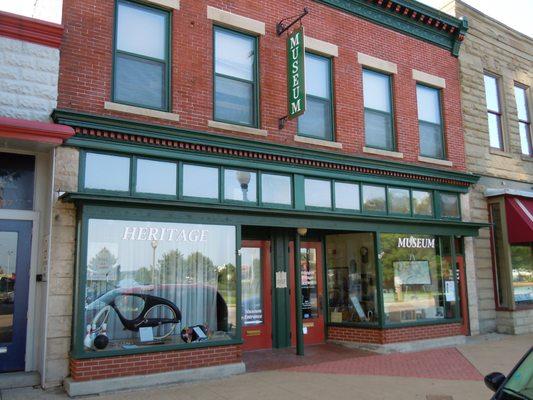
192	190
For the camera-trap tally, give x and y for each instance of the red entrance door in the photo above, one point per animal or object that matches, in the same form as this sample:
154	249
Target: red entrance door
256	284
312	293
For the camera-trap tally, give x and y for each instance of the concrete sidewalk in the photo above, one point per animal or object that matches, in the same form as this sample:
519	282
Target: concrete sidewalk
482	354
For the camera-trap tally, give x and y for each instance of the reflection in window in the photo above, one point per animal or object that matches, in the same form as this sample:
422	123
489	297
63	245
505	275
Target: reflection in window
158	282
429	122
8	274
522	264
399	201
316	121
351	274
252	288
317	193
418	278
235	77
494	114
16	181
141	55
240	185
200	181
308	276
378	110
524	122
449	205
374	198
422	203
276	189
156	177
347	196
107	172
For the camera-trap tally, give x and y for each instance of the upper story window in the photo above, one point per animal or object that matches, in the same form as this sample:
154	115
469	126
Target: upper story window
430	122
141	67
235	78
494	114
524	122
378	110
17	173
317	121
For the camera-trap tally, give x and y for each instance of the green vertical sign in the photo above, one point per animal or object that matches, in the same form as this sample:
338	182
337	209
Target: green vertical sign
296	72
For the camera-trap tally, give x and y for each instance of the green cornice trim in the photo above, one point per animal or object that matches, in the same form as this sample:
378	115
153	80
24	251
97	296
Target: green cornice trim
404	16
289	218
118	125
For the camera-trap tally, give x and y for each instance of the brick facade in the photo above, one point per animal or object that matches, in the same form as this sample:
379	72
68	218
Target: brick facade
394	335
152	363
86	71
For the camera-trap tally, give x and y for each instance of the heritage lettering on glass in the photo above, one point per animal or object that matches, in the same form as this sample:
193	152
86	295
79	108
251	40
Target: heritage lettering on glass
416	243
296	72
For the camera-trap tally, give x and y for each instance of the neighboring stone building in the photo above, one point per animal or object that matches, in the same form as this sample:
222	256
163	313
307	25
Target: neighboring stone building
496	75
29	69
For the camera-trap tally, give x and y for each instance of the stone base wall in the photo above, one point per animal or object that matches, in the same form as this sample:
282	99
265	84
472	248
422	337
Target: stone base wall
394	335
515	322
152	363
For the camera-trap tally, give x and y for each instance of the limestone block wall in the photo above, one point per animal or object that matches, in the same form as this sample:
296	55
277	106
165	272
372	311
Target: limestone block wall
28	79
61	274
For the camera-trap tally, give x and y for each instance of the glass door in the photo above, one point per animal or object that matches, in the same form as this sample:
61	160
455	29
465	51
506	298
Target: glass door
15	249
256	295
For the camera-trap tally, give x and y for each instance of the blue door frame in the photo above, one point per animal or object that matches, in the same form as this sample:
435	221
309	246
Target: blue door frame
15	302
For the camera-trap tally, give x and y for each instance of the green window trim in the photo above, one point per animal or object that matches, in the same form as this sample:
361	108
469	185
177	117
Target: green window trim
256	115
167	77
120	212
440	125
330	101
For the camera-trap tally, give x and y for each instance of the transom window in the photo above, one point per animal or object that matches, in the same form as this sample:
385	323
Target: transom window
141	68
524	122
430	121
317	120
235	77
378	110
494	114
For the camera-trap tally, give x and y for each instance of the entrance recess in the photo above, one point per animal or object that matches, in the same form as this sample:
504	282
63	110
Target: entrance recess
15	249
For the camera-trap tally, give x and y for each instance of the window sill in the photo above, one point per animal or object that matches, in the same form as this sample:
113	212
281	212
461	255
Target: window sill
237	128
318	142
501	153
436	161
381	152
145	112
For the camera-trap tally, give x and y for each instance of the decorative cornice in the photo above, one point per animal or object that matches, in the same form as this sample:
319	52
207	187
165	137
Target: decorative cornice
30	29
132	132
34	131
409	17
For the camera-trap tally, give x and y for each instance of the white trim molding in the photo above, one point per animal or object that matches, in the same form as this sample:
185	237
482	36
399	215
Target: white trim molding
381	152
237	128
239	22
318	142
321	47
145	112
432	80
172	4
377	63
436	161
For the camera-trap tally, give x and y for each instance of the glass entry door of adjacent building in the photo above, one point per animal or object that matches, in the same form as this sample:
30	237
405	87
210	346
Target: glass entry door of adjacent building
256	285
15	250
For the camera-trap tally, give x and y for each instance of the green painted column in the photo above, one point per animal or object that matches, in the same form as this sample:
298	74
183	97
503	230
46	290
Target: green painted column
298	296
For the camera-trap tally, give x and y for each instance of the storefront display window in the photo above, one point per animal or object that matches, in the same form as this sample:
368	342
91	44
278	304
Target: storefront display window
16	181
240	185
158	283
107	172
317	193
347	196
419	282
449	205
374	198
276	189
200	181
522	263
399	202
422	203
158	177
351	278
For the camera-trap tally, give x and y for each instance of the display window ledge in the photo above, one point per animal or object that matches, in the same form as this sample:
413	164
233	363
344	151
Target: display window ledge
518	308
395	325
79	355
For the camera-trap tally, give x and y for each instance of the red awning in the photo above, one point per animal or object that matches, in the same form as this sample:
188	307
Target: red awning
519	212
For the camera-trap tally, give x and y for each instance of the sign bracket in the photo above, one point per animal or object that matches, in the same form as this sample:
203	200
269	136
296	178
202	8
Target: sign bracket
281	27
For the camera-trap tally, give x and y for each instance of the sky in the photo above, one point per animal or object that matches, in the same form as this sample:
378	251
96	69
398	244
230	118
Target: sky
518	14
